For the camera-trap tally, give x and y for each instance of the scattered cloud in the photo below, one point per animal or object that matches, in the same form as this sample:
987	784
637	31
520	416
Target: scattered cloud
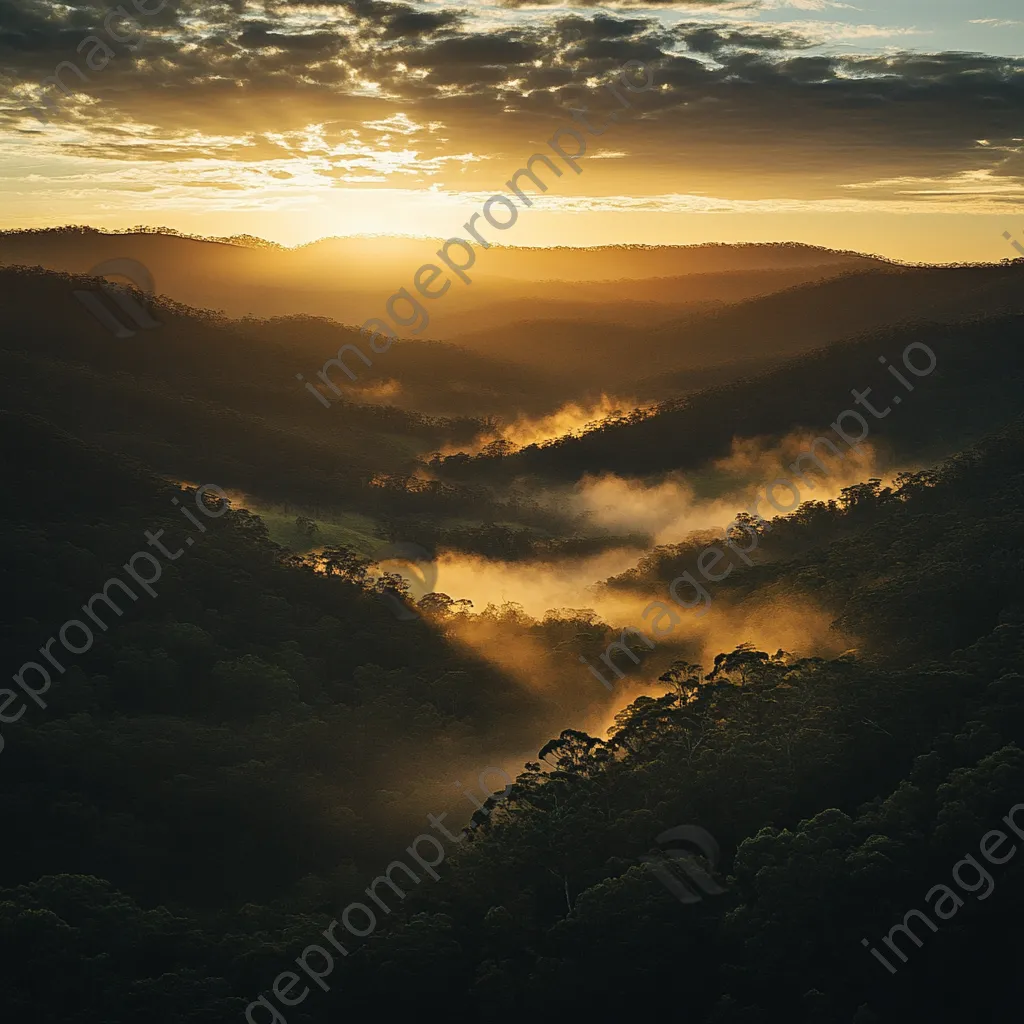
318	95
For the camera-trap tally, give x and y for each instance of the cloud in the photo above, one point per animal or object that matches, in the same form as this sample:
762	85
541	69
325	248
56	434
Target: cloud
984	182
742	112
600	26
807	5
995	22
475	50
717	5
260	35
410	23
703	38
895	196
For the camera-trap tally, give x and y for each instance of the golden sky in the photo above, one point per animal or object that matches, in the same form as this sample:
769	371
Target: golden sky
899	132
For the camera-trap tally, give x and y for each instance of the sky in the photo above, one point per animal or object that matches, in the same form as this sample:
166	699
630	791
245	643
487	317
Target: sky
895	127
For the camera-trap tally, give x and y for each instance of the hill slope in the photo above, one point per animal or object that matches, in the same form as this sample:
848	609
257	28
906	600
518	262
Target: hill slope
974	388
350	279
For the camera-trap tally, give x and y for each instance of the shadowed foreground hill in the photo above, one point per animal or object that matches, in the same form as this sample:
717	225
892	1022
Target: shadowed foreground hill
840	792
255	732
246	667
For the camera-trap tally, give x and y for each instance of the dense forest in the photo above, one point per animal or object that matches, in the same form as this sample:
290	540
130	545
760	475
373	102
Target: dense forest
239	756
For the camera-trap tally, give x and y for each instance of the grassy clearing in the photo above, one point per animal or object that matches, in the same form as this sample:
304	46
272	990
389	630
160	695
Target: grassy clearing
336	528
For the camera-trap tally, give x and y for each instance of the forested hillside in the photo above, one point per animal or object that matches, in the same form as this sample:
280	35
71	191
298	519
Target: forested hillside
538	537
974	388
267	722
839	789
